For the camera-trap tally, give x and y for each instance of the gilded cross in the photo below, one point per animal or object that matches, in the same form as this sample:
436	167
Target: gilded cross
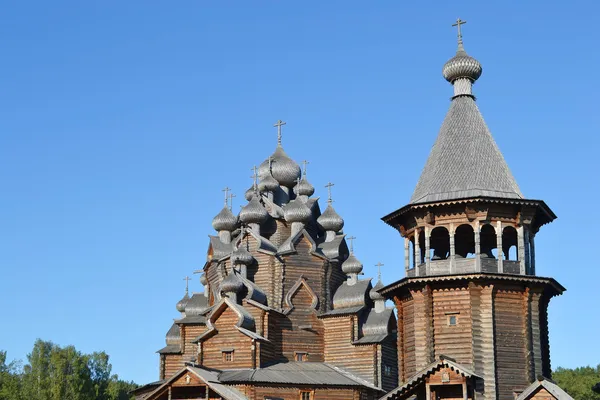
187	280
379	265
279	124
351	239
226	190
328	186
231	196
304	164
458	23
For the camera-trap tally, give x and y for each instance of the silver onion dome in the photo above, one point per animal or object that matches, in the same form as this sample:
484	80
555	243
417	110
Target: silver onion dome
304	188
249	194
352	265
283	168
462	66
231	284
225	220
253	212
182	303
268	184
203	279
374	294
241	256
330	220
297	211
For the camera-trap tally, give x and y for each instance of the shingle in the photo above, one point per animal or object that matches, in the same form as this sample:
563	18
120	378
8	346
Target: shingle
465	160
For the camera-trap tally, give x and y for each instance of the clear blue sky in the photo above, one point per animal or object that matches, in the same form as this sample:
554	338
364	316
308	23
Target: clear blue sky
121	121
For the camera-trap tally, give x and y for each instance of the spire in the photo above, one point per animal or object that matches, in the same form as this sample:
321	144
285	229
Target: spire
465	161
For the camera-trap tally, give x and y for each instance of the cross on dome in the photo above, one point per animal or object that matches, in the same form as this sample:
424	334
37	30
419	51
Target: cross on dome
279	124
379	265
328	186
231	196
187	280
351	239
304	164
226	190
458	23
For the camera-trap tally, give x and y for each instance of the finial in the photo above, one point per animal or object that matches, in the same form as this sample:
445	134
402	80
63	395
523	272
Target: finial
226	190
187	280
304	164
458	23
351	239
254	177
328	186
379	265
279	124
231	196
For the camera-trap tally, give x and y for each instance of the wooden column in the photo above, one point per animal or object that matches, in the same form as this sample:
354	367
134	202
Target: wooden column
427	391
521	249
417	250
452	250
499	246
464	390
427	251
406	255
527	252
477	231
169	396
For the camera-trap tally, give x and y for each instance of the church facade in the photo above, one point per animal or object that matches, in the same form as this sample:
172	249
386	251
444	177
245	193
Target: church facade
285	313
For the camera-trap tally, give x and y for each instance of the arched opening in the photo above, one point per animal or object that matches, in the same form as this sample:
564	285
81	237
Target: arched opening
488	241
509	243
421	247
411	253
439	243
464	242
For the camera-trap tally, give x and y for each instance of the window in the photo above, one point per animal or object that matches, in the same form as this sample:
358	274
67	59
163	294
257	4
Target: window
305	395
452	320
300	356
387	370
228	356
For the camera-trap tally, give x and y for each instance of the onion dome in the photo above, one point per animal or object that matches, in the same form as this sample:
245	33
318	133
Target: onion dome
374	294
203	279
283	168
462	66
330	220
268	184
253	212
231	284
182	303
352	265
297	211
241	256
224	220
304	188
249	193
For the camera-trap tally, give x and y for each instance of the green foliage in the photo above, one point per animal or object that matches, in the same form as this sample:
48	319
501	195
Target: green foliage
578	382
61	373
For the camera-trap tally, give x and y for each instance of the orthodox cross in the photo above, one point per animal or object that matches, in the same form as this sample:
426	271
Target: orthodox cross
279	124
379	265
351	239
328	186
254	176
231	196
458	23
187	280
226	190
305	163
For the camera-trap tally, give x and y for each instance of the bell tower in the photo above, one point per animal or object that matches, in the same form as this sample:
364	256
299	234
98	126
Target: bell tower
471	301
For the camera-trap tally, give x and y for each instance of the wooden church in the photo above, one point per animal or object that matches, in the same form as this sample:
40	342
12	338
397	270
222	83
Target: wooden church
286	314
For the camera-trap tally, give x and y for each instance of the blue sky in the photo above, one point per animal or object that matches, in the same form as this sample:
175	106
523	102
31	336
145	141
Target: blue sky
120	123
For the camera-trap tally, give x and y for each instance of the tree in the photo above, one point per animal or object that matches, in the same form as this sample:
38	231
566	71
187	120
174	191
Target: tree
578	382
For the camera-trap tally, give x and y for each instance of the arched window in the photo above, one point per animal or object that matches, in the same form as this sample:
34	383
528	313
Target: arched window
509	243
488	241
464	241
439	243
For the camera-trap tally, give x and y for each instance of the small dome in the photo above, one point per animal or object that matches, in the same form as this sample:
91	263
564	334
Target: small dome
374	294
304	188
297	211
253	212
241	256
330	220
352	265
249	193
268	184
462	66
182	303
203	279
284	169
224	220
231	284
